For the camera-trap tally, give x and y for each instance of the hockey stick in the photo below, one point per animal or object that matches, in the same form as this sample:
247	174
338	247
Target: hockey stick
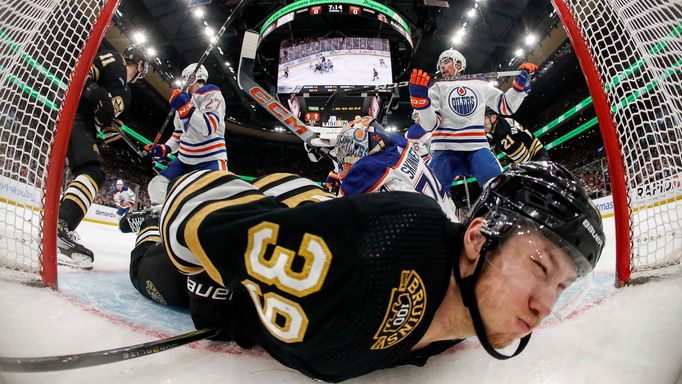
203	57
91	359
260	95
117	127
401	84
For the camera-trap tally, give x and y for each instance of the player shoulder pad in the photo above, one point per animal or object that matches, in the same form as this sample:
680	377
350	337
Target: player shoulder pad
415	132
366	173
207	88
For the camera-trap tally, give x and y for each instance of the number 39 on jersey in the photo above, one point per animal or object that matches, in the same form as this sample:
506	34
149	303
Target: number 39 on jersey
284	318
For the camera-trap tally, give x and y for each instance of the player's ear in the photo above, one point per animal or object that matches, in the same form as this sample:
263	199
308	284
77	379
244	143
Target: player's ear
473	241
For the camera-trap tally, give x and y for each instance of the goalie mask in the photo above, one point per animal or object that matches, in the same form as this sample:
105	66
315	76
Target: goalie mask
359	138
200	75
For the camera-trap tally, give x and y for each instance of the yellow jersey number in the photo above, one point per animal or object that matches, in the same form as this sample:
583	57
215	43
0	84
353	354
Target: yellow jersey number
284	318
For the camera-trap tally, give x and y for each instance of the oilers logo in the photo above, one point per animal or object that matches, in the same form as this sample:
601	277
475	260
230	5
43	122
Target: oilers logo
463	101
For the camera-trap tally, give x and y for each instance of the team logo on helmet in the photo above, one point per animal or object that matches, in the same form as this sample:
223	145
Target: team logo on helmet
463	101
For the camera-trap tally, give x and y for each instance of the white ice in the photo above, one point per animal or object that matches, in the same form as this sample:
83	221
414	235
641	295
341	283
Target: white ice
630	335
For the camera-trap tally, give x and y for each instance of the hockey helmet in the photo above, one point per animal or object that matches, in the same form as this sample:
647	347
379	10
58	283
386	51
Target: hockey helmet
529	199
119	182
546	194
200	75
358	138
453	54
134	54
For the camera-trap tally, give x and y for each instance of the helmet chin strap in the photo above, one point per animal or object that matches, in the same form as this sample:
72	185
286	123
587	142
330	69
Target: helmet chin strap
467	287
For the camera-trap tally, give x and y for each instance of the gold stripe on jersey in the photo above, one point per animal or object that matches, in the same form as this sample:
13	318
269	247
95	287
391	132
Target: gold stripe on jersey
94	73
312	194
518	155
174	185
192	232
150	233
291	189
188	192
269	181
174	205
536	147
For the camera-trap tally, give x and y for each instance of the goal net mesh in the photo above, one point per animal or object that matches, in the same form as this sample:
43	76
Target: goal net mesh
40	43
636	46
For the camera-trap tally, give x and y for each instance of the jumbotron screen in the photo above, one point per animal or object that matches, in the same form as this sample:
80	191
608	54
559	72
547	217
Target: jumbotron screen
318	65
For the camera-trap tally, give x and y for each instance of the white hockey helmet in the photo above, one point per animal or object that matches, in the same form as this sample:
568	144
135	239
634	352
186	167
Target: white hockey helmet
453	54
202	73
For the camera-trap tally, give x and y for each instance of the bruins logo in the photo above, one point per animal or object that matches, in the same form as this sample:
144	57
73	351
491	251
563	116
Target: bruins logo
117	101
405	311
154	293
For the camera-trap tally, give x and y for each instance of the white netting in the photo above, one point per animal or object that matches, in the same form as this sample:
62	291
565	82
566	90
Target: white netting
40	42
636	46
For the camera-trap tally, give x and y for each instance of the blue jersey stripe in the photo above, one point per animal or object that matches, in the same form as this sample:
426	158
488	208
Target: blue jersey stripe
203	154
451	141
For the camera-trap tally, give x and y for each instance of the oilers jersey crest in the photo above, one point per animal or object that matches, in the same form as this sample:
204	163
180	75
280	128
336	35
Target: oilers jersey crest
457	109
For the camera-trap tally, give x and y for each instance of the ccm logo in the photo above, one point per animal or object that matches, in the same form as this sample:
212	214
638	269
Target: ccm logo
277	109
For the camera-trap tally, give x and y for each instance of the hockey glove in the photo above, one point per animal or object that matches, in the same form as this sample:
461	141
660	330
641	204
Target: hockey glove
182	102
103	107
159	152
419	89
530	67
522	82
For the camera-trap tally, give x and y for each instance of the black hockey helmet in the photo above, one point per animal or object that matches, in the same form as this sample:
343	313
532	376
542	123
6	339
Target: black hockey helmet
548	195
543	194
134	54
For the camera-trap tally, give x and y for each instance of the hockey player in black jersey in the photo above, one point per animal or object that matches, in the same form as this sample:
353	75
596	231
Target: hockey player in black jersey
339	288
105	96
516	142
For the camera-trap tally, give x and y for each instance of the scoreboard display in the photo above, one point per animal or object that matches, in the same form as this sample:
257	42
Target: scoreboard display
363	8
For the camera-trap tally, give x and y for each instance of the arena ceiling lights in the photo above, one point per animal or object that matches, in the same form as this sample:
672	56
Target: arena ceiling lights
364	8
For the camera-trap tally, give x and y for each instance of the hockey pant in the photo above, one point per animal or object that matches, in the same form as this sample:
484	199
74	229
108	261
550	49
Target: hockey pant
155	276
481	164
85	164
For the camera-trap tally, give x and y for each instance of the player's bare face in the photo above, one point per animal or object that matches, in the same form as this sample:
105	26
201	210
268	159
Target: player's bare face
520	285
448	68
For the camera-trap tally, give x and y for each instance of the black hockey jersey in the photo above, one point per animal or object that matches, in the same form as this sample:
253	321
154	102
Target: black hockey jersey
108	70
334	289
516	142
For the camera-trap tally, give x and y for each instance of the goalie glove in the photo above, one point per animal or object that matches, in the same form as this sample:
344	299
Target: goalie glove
419	89
103	111
182	102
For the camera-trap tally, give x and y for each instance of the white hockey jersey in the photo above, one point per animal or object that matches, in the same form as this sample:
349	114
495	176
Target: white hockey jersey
456	113
125	198
396	168
201	137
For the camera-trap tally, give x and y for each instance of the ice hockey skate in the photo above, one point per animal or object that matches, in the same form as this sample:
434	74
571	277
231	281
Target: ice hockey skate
69	252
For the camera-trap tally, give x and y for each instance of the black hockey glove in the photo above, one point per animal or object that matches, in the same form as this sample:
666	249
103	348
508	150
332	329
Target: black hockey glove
103	107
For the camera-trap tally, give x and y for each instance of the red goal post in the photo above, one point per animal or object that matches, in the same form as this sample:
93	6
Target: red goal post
46	49
631	55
